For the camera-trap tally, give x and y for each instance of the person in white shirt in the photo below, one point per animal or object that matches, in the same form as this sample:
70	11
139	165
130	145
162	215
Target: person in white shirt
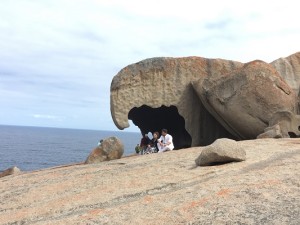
165	142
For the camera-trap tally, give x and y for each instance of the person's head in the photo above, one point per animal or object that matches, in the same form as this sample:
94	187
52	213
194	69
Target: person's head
101	141
155	135
164	132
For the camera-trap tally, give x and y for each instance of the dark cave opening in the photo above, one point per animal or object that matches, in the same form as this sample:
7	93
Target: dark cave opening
154	119
292	135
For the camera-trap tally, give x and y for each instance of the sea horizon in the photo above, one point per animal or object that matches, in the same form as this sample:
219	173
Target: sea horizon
70	128
32	148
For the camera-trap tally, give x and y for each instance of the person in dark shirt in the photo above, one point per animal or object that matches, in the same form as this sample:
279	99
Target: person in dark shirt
144	143
152	146
153	142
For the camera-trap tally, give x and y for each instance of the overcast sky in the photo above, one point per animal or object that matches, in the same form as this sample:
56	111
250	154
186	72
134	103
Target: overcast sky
58	57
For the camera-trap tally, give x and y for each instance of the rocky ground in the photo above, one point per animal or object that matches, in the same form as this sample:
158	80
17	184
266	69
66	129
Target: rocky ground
162	189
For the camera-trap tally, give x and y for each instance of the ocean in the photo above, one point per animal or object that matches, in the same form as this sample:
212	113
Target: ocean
34	148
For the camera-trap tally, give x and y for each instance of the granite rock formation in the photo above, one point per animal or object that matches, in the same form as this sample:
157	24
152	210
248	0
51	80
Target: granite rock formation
10	171
221	151
272	132
157	93
171	93
245	100
111	148
289	69
283	124
162	189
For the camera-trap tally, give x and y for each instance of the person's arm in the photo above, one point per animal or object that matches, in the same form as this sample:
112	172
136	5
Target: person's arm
150	143
170	139
159	140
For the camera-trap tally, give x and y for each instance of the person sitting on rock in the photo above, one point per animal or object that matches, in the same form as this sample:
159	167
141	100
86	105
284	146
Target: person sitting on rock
152	146
165	142
144	143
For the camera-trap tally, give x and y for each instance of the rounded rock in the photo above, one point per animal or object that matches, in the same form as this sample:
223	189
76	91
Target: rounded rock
110	149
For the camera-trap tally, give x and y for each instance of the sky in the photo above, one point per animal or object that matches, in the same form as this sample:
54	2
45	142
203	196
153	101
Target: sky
58	57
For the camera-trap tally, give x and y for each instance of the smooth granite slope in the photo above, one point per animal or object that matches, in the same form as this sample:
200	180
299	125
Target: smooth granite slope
162	189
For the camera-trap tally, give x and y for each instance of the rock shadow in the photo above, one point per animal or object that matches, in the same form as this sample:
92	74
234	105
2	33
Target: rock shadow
150	119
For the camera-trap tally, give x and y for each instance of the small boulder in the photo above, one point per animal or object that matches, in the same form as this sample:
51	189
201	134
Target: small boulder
10	171
283	124
271	132
221	151
111	148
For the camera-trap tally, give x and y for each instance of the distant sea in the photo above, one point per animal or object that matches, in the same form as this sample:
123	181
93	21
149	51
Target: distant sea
33	148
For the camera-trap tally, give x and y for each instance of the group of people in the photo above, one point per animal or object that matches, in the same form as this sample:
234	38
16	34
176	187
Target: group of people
162	144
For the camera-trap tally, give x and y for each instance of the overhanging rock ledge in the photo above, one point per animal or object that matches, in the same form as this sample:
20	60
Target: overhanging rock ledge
199	100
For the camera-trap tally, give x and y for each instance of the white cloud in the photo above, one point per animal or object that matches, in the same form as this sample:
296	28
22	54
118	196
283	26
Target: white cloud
49	117
59	57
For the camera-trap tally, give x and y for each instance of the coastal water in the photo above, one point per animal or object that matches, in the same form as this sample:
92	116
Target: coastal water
32	148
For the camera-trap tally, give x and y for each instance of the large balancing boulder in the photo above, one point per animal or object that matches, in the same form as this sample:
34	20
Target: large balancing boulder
221	151
110	149
245	100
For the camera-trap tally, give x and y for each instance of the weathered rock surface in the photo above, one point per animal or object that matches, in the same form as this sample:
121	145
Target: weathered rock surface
10	171
158	93
282	124
272	132
289	69
162	189
245	100
221	151
166	82
111	148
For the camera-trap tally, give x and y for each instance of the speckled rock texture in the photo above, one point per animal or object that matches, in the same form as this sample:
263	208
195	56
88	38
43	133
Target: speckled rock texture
111	148
158	82
163	188
221	151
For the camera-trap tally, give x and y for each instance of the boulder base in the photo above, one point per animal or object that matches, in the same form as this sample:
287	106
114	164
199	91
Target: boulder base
271	132
283	124
221	151
111	148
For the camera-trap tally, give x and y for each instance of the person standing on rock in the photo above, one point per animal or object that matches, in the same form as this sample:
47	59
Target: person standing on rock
165	142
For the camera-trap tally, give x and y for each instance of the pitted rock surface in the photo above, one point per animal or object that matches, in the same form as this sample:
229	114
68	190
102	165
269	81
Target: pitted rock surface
153	87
